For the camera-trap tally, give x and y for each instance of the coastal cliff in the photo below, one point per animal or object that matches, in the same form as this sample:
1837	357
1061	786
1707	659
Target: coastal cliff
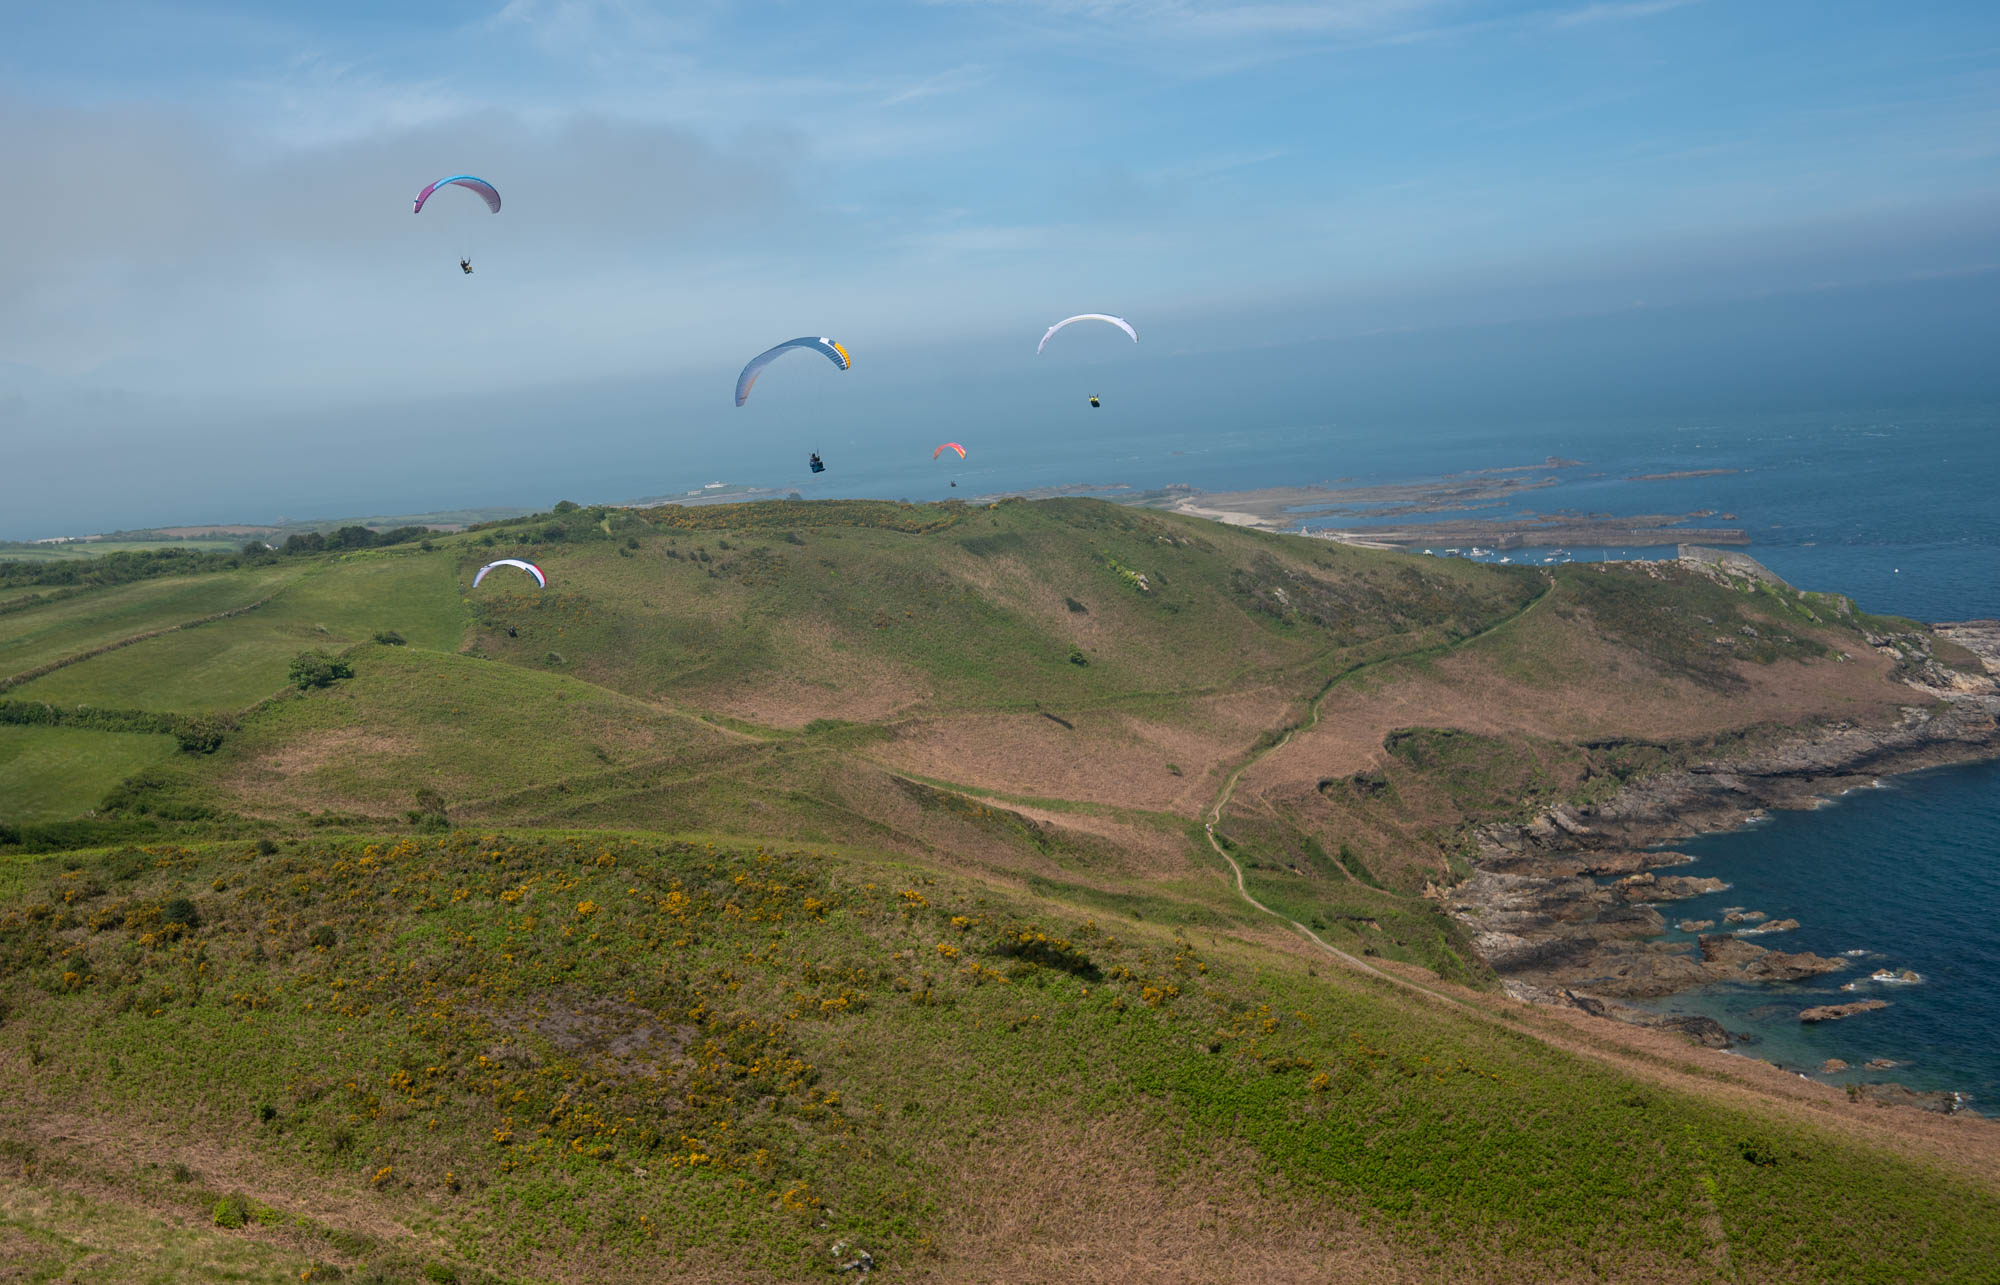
1562	907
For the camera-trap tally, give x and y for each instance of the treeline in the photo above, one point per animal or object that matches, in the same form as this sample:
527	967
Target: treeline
146	564
568	521
116	568
349	537
196	733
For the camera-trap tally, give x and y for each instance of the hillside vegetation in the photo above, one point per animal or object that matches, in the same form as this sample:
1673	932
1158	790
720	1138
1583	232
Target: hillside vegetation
793	887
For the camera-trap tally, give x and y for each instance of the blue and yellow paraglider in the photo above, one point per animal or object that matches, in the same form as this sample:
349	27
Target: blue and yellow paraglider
827	348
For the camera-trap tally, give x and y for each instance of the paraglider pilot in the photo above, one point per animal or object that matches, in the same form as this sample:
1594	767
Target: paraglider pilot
465	266
1094	401
816	464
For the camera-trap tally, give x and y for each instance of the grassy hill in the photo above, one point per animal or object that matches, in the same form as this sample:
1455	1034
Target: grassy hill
789	876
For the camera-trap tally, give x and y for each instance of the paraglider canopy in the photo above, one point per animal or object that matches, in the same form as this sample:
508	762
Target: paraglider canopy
1119	322
541	580
949	446
827	348
487	192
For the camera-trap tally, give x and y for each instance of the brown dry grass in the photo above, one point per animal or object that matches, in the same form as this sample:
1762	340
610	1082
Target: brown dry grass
1112	757
851	686
1485	690
1102	1201
1087	1202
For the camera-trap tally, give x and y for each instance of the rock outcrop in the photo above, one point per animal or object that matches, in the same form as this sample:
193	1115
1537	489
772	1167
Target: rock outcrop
1834	1012
1652	887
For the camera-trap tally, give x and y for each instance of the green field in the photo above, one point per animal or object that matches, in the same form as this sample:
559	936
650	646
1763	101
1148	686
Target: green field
473	730
71	623
230	664
55	773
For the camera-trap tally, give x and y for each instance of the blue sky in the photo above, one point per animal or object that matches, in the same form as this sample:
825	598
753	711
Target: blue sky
209	244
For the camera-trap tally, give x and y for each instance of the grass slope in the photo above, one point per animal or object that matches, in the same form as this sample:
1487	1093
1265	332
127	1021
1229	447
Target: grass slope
55	773
234	663
573	1057
994	610
75	623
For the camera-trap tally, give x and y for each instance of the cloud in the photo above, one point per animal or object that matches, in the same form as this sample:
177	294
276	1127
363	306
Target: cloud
161	240
1593	14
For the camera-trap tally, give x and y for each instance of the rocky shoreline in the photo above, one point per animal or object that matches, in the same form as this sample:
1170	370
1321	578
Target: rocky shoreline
1565	907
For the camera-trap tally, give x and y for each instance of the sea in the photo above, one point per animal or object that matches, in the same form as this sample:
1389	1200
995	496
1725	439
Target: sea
1895	507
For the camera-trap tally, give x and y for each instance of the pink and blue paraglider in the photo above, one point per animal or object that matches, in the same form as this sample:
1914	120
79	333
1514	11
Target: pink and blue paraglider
487	192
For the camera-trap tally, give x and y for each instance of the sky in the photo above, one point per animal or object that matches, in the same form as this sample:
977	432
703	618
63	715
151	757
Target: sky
215	303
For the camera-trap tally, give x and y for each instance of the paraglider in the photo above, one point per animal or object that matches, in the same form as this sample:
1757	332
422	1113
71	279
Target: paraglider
1119	322
541	580
827	348
949	446
487	192
1094	402
816	464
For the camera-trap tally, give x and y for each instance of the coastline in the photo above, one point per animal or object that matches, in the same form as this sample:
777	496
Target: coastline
1567	907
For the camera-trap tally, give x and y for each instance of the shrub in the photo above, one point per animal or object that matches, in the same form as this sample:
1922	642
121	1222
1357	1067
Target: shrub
323	937
1076	656
566	506
182	1174
318	668
181	911
267	846
232	1211
439	1274
201	733
429	814
390	638
127	864
1036	947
